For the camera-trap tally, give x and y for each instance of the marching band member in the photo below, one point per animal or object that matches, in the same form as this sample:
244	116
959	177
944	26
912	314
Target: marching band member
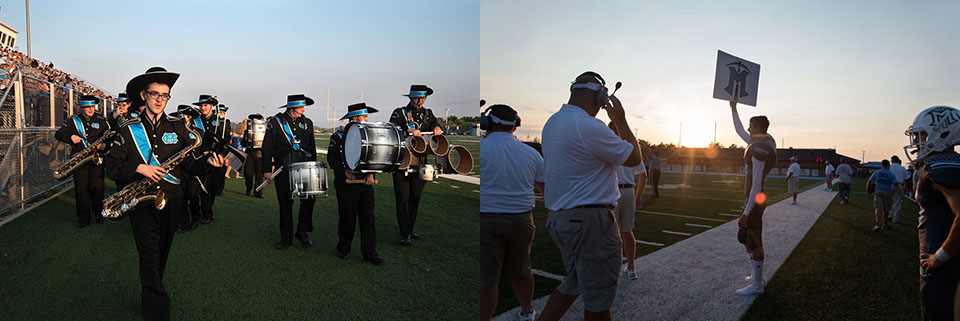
144	144
209	123
190	218
289	139
79	132
413	119
123	111
221	128
354	201
252	168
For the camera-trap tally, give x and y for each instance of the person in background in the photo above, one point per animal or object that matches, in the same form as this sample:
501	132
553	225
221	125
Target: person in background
793	179
843	176
886	183
902	177
828	175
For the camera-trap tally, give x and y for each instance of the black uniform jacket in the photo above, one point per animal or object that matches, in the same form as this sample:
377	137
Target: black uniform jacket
93	126
166	138
278	150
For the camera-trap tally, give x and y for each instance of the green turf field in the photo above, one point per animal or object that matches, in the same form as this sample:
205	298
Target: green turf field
710	200
229	270
844	271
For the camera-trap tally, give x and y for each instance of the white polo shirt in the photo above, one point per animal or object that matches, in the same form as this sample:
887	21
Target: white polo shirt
899	172
580	156
795	169
628	175
506	178
829	169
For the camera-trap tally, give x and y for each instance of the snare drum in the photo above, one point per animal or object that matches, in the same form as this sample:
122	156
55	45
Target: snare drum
257	129
308	179
372	147
428	172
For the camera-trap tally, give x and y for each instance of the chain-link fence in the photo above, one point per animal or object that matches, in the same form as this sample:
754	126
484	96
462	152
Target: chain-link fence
31	111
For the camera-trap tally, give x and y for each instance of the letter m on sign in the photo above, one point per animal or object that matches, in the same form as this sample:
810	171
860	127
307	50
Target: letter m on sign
738	80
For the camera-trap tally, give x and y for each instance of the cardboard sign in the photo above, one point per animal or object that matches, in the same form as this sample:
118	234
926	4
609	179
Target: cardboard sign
736	79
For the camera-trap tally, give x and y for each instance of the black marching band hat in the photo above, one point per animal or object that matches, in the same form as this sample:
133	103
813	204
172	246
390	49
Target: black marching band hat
255	116
357	110
417	91
154	74
296	101
206	99
122	97
186	110
222	107
89	101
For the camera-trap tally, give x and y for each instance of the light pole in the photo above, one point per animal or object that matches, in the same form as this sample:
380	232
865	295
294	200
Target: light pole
29	54
446	118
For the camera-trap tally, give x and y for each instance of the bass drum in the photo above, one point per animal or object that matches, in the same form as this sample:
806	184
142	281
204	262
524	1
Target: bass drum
308	179
372	147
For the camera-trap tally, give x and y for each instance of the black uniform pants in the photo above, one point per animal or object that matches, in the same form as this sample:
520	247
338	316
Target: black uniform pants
253	171
88	189
304	219
207	199
192	210
655	181
937	291
153	232
220	174
355	201
407	190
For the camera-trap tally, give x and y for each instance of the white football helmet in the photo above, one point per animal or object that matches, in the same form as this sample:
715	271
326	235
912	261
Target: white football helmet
935	129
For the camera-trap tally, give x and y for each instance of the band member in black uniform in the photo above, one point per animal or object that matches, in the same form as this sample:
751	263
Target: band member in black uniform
80	131
190	218
253	167
407	187
289	140
145	143
122	112
354	201
222	128
210	122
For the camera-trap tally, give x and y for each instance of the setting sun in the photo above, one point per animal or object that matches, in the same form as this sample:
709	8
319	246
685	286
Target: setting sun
697	134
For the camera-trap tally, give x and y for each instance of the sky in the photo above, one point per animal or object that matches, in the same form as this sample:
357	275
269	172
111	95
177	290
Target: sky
850	75
252	54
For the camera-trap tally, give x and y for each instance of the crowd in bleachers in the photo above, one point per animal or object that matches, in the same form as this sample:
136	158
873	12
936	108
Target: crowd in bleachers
44	72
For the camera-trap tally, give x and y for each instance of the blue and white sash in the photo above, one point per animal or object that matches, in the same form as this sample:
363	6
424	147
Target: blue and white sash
83	134
290	138
199	124
146	153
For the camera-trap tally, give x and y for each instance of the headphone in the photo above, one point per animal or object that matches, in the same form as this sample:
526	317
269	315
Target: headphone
487	118
601	96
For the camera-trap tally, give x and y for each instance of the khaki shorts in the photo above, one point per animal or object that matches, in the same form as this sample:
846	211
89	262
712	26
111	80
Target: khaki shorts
625	209
589	243
752	236
883	199
504	247
793	184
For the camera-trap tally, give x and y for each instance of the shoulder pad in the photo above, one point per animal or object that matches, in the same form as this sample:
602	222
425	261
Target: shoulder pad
171	118
944	169
131	120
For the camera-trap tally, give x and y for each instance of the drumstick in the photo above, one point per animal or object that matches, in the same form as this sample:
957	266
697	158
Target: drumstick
360	181
272	176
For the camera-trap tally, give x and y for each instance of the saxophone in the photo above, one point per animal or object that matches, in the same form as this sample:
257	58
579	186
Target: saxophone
88	154
125	200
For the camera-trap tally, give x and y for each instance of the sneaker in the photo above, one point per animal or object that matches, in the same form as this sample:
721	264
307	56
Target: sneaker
876	228
793	202
632	274
885	227
528	317
748	278
751	289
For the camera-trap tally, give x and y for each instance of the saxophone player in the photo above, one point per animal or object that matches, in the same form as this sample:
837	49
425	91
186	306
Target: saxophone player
79	132
145	143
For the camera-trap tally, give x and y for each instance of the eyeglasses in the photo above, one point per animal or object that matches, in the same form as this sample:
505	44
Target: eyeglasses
155	95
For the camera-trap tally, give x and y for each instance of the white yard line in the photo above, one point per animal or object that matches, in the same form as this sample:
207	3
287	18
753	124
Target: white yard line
728	214
698	225
704	198
676	233
649	243
547	274
683	216
695	279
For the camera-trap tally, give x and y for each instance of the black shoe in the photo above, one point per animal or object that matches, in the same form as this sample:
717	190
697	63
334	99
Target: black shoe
376	260
405	240
206	221
304	239
220	194
248	191
182	230
415	236
99	219
195	225
258	195
81	225
283	246
343	255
